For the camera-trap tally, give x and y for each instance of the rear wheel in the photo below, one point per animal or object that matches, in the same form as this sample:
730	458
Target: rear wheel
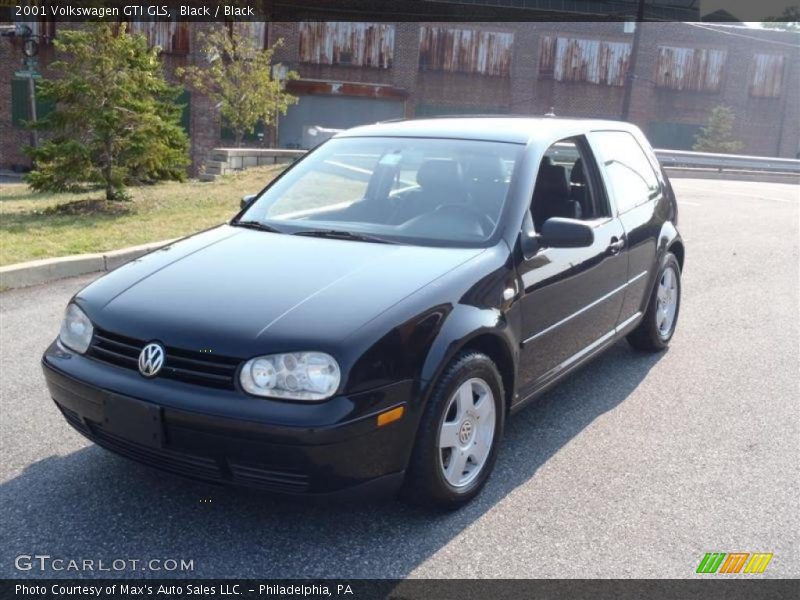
457	441
658	325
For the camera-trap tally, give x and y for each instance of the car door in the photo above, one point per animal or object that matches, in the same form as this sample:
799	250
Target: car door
638	195
571	297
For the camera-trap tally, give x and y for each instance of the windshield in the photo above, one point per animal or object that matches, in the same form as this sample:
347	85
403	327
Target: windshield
413	190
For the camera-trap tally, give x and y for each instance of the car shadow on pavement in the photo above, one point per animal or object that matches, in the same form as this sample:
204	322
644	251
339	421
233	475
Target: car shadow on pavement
93	504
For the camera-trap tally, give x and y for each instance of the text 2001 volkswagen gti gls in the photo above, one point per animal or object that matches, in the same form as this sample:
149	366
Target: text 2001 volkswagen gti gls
371	318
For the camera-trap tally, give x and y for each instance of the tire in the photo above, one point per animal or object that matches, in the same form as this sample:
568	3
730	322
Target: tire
652	334
431	465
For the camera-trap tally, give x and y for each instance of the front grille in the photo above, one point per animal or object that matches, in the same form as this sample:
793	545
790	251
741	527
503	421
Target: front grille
216	470
259	477
184	365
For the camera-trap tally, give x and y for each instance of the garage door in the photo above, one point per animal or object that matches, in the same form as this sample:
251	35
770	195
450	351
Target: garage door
333	112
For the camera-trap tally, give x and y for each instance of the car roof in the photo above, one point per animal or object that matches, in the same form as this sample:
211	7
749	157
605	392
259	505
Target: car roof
519	130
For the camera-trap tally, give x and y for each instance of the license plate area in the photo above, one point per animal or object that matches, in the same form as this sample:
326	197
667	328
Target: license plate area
139	422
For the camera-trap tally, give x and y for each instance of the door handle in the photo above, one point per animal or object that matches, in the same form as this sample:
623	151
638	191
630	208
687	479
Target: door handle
616	245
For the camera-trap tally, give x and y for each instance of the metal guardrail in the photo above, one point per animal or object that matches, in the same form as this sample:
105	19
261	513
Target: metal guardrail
726	162
669	159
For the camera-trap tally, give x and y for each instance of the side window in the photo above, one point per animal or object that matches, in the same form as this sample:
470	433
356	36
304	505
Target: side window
629	174
564	185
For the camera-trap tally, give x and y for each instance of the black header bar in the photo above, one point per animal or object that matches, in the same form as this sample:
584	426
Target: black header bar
399	10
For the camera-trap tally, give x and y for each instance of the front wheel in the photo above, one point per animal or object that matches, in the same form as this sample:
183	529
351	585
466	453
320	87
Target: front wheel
658	325
457	441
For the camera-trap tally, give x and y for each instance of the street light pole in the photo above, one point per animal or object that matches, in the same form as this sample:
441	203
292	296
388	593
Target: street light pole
630	75
32	111
279	74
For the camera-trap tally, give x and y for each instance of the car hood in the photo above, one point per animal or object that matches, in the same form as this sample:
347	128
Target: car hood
236	291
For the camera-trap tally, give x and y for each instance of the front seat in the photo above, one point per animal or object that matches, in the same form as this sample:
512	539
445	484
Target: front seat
486	180
579	192
551	197
440	182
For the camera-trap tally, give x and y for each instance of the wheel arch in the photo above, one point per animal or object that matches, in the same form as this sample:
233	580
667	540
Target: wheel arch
676	248
495	340
496	348
670	240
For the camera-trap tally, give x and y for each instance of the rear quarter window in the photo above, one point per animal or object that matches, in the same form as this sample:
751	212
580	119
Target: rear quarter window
628	173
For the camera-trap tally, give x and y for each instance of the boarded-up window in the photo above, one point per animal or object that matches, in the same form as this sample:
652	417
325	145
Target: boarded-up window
766	80
690	69
356	44
171	36
465	51
591	61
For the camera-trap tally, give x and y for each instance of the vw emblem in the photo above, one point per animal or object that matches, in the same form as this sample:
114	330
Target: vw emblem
151	359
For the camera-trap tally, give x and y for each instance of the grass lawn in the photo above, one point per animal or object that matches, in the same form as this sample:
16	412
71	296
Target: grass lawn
34	225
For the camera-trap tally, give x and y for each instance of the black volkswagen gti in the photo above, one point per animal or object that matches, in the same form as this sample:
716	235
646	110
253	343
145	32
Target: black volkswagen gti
371	318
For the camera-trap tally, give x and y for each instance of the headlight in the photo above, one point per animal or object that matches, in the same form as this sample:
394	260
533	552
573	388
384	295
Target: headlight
76	329
296	376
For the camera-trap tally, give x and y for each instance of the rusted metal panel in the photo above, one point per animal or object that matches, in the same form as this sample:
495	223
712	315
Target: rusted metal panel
465	51
171	36
600	62
690	69
547	55
766	80
255	30
584	60
339	43
338	88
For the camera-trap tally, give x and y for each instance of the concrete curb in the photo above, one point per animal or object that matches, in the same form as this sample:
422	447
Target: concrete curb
52	269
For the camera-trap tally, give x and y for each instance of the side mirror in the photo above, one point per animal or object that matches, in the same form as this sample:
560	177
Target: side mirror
558	232
247	200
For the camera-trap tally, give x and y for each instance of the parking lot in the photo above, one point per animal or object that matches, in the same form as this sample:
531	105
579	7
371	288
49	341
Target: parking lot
636	466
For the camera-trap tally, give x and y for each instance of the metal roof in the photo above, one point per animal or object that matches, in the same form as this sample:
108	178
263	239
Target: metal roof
519	130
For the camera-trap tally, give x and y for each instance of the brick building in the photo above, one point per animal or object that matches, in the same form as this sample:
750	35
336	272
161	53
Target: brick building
351	73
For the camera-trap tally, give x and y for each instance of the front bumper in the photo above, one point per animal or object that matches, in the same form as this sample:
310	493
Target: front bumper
170	426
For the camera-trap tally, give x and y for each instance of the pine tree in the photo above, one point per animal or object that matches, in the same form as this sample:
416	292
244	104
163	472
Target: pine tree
116	120
789	20
717	135
239	80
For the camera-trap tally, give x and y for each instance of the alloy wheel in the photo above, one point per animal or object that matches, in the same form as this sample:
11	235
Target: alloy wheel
667	301
467	432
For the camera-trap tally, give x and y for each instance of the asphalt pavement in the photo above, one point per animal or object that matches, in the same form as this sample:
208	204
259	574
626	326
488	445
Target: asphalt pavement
636	466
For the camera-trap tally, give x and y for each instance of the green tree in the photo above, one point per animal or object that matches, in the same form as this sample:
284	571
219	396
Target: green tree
717	135
116	120
239	80
788	21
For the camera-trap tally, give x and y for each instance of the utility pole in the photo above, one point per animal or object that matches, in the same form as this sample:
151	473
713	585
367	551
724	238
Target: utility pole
279	74
32	111
629	76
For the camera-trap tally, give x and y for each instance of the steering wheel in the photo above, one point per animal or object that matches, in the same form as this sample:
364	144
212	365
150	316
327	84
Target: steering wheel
485	223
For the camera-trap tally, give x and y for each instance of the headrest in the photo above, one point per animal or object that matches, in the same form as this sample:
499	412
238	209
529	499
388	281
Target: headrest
577	175
485	169
552	180
439	173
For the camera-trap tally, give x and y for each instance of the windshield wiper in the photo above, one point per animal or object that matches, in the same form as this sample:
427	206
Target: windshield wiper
338	234
257	225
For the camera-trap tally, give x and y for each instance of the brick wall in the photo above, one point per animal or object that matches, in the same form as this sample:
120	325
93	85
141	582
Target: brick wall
767	126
